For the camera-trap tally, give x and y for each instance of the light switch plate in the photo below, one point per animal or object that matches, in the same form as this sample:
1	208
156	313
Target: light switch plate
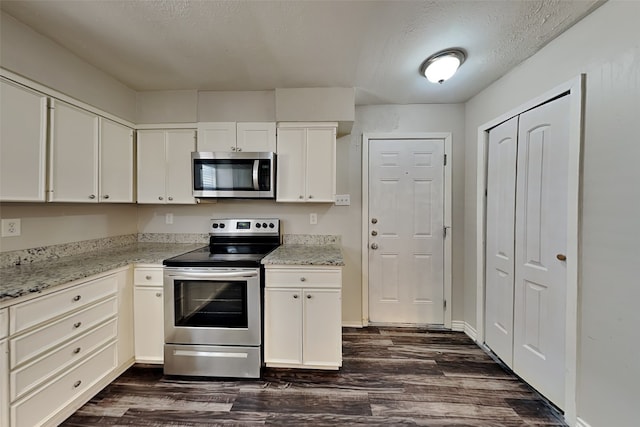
343	200
11	227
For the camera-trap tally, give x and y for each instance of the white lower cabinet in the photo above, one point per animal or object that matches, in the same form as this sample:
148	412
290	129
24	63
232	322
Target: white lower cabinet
61	349
148	322
303	317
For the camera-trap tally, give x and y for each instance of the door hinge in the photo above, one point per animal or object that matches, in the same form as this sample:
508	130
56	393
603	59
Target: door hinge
444	304
444	231
445	160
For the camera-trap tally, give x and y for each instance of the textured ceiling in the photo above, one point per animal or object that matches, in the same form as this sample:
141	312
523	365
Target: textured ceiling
374	46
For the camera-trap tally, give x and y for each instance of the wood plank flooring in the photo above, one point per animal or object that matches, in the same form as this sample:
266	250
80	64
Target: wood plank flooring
390	376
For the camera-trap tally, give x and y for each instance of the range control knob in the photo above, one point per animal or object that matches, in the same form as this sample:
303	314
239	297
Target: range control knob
264	225
222	225
272	225
214	225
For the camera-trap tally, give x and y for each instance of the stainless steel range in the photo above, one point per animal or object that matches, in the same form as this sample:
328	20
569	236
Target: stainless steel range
213	301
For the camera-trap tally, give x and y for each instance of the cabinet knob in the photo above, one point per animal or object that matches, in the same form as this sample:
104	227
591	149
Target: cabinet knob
106	196
374	246
77	350
93	196
295	296
77	325
310	196
158	294
308	296
303	279
374	220
239	149
77	384
301	197
170	198
160	198
76	298
374	233
233	148
147	277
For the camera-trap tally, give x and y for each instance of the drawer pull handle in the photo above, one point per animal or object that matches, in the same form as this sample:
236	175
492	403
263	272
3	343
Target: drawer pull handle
303	279
77	384
77	350
77	325
77	298
148	277
308	296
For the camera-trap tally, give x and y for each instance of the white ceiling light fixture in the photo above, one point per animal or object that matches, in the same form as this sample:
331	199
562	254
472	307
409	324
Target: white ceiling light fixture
441	66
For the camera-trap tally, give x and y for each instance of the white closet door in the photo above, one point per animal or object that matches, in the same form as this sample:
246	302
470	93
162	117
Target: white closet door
541	238
501	195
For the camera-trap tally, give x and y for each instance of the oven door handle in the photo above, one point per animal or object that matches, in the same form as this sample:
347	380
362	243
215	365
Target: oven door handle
218	275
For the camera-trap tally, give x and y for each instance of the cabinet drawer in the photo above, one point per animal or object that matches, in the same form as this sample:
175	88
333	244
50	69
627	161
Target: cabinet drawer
4	323
30	345
38	407
29	376
304	278
147	276
43	309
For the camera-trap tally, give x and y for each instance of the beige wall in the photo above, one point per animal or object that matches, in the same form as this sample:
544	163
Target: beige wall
38	58
606	46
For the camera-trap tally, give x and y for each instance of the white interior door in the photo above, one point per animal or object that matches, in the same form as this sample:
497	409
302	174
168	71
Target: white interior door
406	223
501	206
541	242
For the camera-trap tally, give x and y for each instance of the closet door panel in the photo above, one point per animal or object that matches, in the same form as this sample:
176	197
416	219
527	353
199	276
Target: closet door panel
501	188
541	236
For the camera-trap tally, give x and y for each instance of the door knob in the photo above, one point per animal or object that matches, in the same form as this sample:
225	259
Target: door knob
374	246
374	233
561	257
374	220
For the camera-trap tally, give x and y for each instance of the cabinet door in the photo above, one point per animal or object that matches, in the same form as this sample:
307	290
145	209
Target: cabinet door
152	168
256	137
322	335
291	165
23	137
321	165
4	384
74	154
217	136
283	326
116	162
148	321
180	145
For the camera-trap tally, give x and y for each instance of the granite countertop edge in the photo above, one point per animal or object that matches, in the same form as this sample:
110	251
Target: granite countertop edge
299	254
32	278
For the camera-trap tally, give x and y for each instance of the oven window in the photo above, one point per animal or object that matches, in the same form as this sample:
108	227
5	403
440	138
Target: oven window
202	303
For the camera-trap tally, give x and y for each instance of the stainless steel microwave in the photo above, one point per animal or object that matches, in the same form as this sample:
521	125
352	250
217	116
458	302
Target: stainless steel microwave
240	175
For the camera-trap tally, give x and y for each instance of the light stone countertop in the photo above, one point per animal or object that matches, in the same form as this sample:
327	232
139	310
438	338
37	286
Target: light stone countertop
320	255
27	279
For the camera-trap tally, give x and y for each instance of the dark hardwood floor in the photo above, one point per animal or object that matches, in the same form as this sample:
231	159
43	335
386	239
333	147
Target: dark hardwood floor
390	376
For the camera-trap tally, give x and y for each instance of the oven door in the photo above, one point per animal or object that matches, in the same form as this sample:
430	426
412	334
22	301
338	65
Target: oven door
212	306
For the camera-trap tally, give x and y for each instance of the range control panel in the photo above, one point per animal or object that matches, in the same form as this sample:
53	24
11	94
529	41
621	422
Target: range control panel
239	227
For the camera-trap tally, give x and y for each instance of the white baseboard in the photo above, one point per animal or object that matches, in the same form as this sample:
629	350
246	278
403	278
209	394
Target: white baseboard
462	326
581	423
352	325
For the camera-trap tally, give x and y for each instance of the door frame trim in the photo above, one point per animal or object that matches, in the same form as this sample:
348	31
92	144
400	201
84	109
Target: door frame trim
366	138
575	89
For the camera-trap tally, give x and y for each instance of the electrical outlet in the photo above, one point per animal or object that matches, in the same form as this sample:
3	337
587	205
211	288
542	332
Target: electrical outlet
10	227
313	218
168	218
343	200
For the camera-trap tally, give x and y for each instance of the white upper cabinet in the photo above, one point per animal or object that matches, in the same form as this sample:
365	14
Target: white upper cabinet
232	136
23	138
91	157
164	166
306	162
73	168
116	162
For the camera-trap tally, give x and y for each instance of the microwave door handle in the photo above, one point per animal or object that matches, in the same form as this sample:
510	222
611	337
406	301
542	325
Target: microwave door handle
217	275
256	164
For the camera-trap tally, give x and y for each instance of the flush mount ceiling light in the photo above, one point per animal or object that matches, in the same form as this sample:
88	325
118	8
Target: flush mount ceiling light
443	65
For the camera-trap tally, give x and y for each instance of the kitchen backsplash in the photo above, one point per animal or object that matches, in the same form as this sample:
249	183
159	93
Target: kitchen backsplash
311	239
174	238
